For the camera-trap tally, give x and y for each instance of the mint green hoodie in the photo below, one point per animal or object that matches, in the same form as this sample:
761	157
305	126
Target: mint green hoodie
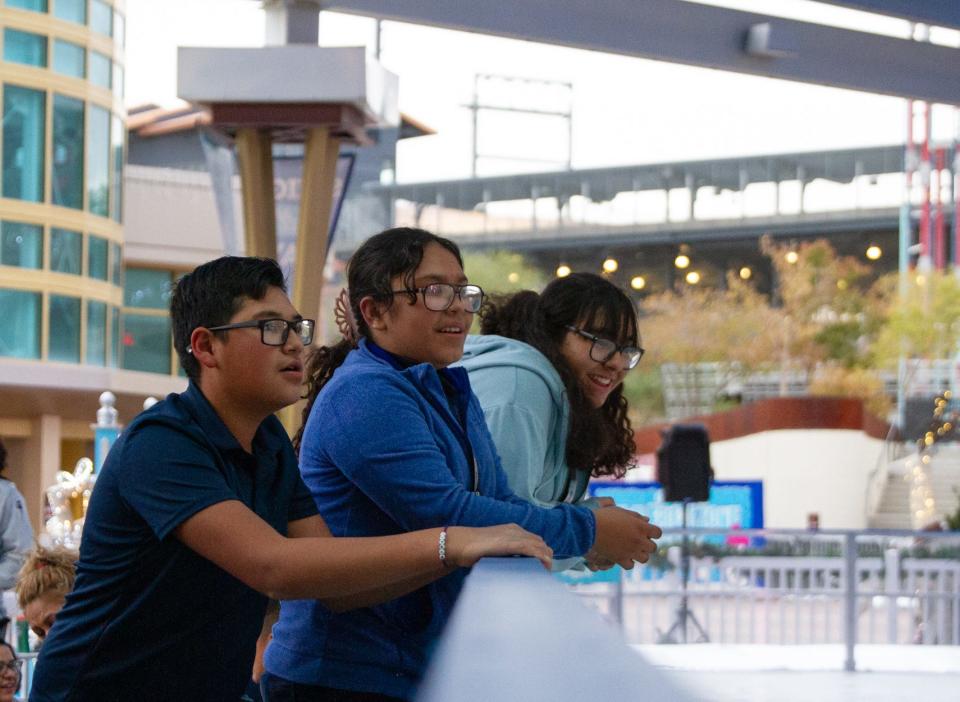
526	409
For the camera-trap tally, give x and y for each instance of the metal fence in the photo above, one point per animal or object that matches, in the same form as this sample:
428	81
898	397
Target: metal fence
789	587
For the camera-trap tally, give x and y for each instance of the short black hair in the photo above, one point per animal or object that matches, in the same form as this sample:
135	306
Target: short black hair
3	456
212	294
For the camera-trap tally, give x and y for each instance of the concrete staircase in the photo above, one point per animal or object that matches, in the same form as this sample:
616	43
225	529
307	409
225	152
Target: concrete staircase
894	510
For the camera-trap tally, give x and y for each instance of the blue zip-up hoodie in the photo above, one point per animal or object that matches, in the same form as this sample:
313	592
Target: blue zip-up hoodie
383	453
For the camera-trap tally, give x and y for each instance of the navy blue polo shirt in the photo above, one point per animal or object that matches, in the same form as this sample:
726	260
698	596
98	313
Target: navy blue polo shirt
149	618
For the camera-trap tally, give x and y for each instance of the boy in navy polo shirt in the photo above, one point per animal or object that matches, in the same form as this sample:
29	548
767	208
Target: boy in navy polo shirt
199	514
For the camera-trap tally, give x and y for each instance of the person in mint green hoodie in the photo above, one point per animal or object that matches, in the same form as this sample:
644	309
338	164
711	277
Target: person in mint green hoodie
548	370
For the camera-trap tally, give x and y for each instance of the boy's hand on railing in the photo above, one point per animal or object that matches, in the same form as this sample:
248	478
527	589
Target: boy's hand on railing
467	545
624	537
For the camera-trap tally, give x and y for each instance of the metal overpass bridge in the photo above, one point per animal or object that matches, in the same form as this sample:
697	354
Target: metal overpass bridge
643	214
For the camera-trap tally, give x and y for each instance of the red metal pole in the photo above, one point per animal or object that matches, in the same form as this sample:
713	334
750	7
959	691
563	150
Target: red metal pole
941	249
956	206
924	167
909	168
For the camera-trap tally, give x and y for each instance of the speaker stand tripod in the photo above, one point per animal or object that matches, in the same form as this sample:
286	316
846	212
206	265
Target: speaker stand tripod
684	613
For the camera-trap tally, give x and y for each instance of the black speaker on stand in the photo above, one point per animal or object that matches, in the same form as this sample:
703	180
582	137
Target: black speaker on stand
684	472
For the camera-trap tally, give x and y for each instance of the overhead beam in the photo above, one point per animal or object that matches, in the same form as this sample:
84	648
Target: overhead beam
942	13
700	35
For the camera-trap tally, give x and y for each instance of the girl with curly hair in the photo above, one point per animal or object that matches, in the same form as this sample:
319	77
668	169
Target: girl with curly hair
549	371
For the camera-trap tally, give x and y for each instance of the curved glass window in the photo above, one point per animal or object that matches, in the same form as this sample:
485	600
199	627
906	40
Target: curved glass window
116	264
100	69
147	287
101	18
64	336
21	245
66	248
67	152
71	10
97	257
116	183
20	331
114	337
24	47
24	113
69	59
98	160
35	5
146	343
118	79
119	29
96	333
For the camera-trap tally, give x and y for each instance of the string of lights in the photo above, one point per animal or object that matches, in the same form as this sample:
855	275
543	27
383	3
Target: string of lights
943	426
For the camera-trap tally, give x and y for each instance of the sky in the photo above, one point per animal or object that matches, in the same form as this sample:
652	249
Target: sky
625	110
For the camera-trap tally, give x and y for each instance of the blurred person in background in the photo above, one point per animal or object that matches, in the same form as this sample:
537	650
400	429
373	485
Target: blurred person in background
16	534
45	580
11	668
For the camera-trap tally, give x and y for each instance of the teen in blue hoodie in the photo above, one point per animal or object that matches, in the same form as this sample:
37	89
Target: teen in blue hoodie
396	441
549	371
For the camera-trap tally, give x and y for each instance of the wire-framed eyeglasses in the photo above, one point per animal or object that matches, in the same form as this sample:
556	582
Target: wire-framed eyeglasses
602	350
15	666
274	332
438	297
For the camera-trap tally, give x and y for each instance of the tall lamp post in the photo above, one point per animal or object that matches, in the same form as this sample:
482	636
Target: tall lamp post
290	91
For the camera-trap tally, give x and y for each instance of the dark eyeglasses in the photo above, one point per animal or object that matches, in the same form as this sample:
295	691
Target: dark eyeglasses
438	297
14	666
274	332
602	350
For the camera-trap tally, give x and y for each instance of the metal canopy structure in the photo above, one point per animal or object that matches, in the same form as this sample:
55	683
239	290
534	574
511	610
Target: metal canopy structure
601	184
944	13
714	37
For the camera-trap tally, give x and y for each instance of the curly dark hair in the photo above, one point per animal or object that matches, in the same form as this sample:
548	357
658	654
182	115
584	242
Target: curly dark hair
370	272
600	439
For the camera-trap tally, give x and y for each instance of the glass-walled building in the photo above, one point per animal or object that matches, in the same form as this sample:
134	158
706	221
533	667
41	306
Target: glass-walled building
61	187
61	232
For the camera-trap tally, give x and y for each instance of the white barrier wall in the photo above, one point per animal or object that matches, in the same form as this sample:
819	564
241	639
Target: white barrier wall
804	470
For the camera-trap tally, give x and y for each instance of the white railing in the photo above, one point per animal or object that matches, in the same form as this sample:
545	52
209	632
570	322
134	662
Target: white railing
828	587
516	634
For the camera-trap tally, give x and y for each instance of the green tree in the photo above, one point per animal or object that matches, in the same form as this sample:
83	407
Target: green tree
823	321
923	321
828	301
733	330
502	271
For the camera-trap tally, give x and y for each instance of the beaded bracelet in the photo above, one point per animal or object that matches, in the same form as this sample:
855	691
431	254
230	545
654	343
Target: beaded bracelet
442	547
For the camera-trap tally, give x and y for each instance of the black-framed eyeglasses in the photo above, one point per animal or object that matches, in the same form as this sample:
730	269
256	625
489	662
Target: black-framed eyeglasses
602	350
14	666
438	297
274	332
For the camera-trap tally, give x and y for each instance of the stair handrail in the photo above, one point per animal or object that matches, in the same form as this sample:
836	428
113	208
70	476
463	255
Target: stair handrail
877	479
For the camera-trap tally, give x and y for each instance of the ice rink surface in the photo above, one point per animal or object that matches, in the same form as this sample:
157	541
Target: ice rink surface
728	673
